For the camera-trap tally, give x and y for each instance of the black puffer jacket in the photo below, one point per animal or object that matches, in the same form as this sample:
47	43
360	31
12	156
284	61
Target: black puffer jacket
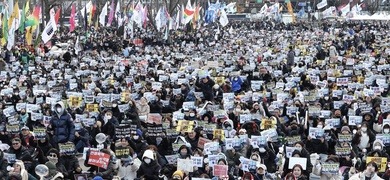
149	171
62	125
3	166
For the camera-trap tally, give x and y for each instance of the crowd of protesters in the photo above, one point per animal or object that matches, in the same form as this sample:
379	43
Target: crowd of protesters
252	100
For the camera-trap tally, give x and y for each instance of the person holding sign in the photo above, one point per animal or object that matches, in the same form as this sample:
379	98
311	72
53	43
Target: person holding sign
205	85
363	137
326	174
20	151
62	125
369	173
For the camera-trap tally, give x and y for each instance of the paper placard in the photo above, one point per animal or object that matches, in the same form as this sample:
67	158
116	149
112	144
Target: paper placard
355	120
330	168
99	159
297	160
345	137
380	161
220	170
198	161
154	118
67	148
185	165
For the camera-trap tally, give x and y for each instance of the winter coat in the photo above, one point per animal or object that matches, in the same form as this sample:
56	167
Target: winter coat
3	166
21	153
70	163
129	172
206	88
63	126
361	176
149	171
236	84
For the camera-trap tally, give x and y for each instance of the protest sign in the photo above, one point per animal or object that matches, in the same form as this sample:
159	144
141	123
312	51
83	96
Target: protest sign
11	158
211	147
122	131
355	120
155	131
345	137
316	133
333	123
219	133
343	151
297	160
13	129
39	133
248	164
330	168
380	161
185	126
202	141
220	170
172	159
198	161
154	118
67	148
231	143
122	152
185	165
99	159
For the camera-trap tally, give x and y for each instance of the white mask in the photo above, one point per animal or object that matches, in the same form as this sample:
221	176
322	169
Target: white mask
326	98
59	109
192	114
386	131
319	126
136	137
238	109
108	117
364	129
377	147
147	161
262	150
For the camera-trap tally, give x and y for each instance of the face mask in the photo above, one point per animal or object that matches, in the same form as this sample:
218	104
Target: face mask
136	137
183	154
16	94
158	140
108	117
229	128
23	113
386	131
192	114
377	147
53	160
235	79
319	126
238	109
299	149
59	109
364	129
147	161
326	98
114	105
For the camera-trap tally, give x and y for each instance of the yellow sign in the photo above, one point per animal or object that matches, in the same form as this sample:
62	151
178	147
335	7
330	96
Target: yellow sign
92	107
219	133
184	126
125	96
75	101
267	123
219	80
381	162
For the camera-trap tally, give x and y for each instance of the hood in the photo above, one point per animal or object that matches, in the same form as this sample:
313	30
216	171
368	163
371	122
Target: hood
149	154
230	122
62	106
380	142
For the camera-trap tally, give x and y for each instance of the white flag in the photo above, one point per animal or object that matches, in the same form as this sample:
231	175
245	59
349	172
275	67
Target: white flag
49	30
223	19
322	4
264	9
118	14
102	16
88	6
345	9
11	36
77	46
158	20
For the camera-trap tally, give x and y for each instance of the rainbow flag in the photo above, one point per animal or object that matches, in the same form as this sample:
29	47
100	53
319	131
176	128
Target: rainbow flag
188	13
33	19
195	20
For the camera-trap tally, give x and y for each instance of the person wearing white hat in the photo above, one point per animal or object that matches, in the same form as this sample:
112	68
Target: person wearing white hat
261	172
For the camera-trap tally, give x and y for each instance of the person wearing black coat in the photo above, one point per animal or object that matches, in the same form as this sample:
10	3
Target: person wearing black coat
20	151
3	166
107	173
149	169
205	85
62	125
71	164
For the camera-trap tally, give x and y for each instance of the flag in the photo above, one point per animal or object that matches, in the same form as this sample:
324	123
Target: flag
223	19
5	29
57	16
49	30
188	13
112	11
33	19
345	9
158	20
322	4
11	33
103	14
264	9
72	18
91	13
309	8
14	15
231	8
85	19
77	46
118	15
29	33
22	18
178	19
86	9
137	14
196	18
291	11
301	12
145	15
